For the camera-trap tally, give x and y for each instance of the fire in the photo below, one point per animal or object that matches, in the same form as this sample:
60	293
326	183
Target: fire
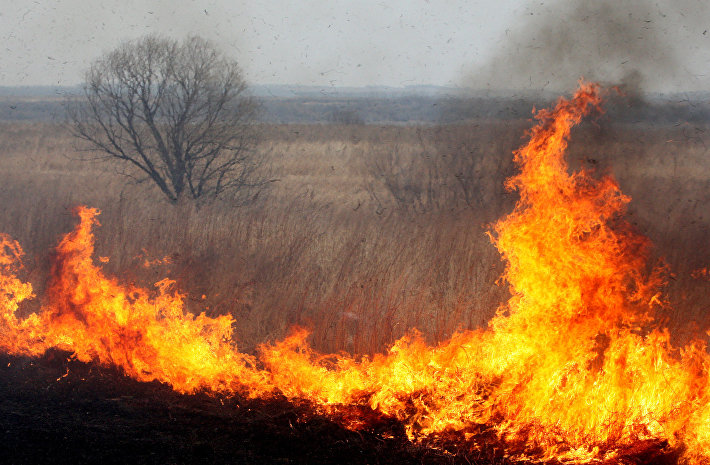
572	368
98	319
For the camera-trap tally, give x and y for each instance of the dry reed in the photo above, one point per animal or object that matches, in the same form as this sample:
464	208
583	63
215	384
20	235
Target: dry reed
333	247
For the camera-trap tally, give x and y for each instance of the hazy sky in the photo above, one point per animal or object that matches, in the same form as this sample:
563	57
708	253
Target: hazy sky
364	42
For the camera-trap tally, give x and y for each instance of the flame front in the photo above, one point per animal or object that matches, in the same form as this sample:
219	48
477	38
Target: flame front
571	369
98	319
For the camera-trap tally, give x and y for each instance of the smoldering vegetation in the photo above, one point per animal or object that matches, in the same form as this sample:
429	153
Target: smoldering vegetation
368	231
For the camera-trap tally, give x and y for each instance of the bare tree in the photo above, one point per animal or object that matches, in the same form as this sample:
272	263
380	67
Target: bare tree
176	113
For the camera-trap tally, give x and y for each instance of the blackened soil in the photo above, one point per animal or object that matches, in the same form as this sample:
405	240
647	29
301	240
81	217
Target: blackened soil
55	410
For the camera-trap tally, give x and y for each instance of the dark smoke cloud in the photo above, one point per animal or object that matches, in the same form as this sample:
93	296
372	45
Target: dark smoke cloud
641	45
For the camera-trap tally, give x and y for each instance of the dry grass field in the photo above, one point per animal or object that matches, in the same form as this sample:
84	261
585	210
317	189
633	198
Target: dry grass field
367	232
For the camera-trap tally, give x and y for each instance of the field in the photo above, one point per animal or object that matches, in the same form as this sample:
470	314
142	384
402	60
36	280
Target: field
366	231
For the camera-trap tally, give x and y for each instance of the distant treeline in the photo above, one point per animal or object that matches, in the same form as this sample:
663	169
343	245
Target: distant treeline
400	109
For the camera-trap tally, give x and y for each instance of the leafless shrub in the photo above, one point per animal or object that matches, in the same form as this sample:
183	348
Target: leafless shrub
445	168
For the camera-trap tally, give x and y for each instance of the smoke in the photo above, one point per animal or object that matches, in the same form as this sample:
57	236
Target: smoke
643	46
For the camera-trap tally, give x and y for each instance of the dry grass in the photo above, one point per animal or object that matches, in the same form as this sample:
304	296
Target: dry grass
331	247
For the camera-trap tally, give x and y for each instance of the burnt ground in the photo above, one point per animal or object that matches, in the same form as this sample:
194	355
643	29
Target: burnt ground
55	410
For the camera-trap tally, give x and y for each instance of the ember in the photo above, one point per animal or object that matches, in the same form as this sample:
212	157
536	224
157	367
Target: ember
572	368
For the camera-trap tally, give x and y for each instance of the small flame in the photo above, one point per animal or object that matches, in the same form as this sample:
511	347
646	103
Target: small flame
572	368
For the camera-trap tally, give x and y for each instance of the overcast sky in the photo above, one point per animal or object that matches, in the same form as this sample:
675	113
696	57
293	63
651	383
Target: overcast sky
474	43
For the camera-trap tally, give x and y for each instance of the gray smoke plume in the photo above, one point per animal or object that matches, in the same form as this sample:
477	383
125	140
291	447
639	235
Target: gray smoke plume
641	45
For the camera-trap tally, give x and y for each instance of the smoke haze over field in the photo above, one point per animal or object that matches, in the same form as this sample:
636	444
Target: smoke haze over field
505	44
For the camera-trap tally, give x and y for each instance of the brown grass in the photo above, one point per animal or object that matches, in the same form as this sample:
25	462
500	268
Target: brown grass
331	247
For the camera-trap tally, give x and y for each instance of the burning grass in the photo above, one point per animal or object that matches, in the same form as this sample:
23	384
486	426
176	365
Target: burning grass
573	368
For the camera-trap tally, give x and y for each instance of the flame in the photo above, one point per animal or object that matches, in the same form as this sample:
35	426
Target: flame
98	319
572	368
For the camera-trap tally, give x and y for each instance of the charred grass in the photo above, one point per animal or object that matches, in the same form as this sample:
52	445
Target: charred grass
55	410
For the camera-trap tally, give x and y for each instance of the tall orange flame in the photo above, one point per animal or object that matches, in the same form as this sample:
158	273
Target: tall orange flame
571	369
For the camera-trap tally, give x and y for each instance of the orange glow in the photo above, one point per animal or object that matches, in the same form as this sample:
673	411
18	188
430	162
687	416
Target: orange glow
572	368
